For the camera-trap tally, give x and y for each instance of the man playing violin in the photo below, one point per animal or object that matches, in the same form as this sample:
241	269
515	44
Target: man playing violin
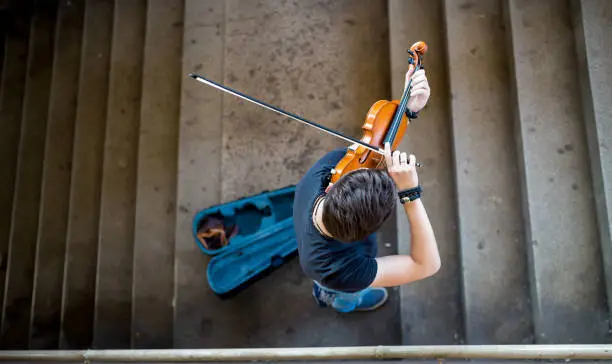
336	225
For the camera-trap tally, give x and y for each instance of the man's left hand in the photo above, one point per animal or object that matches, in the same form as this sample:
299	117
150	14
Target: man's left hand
419	95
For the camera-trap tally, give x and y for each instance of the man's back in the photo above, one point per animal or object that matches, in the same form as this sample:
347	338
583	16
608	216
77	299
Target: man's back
347	267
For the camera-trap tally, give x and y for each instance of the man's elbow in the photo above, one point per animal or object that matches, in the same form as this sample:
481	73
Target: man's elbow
432	268
436	267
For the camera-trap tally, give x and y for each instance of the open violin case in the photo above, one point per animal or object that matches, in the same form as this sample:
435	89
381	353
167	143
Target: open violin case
247	238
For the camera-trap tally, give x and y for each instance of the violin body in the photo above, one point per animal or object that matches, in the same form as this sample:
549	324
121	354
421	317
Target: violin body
377	123
386	121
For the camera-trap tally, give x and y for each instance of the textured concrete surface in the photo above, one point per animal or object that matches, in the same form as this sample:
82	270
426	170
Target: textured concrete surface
326	61
430	309
12	89
567	279
50	252
23	236
199	174
593	30
298	56
157	164
488	198
113	306
77	314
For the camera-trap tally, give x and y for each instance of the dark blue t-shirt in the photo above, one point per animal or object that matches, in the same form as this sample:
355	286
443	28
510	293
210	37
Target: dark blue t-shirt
347	267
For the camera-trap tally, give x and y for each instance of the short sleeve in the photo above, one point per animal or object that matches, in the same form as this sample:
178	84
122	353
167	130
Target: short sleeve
329	159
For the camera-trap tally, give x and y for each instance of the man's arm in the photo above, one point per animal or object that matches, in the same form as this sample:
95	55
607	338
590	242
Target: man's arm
424	258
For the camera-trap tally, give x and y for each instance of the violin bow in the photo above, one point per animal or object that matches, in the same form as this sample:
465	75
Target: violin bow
290	115
285	113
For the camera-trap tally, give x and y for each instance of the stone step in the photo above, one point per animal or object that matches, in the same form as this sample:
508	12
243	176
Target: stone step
79	284
593	30
199	168
325	61
153	286
16	311
12	90
490	227
50	252
113	306
262	58
567	283
431	311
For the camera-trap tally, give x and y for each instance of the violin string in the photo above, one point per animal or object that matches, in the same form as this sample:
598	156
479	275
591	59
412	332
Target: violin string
401	109
285	113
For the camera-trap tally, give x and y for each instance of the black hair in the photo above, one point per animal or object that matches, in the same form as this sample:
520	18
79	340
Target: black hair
358	204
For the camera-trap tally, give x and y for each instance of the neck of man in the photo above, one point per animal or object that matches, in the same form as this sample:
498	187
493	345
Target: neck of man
318	219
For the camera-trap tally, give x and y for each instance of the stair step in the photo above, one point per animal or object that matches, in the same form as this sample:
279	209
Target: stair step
489	202
56	178
199	168
300	57
430	309
593	29
203	319
157	165
306	58
23	236
84	209
113	307
12	90
563	246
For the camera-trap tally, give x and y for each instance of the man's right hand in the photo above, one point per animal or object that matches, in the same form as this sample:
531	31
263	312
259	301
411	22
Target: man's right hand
401	168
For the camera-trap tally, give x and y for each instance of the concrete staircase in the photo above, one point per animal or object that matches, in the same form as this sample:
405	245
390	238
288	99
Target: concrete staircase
108	149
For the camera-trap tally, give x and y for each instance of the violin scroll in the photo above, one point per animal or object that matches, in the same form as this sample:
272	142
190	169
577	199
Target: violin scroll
416	52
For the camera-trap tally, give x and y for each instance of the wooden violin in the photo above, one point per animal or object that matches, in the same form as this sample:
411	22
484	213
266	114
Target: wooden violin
386	121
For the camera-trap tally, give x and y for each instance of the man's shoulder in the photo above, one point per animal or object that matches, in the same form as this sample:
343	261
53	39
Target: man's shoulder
330	158
313	181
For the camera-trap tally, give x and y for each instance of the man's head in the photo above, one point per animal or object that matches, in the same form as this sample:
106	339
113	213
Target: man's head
358	204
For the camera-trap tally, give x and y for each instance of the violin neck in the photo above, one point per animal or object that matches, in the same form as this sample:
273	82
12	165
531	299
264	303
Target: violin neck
399	114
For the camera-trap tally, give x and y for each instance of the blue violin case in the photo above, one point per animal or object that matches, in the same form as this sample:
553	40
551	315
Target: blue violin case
247	238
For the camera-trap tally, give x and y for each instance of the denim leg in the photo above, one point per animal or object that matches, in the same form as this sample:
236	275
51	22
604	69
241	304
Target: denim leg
340	301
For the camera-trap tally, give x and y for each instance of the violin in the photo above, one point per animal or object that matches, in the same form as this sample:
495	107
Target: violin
386	121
